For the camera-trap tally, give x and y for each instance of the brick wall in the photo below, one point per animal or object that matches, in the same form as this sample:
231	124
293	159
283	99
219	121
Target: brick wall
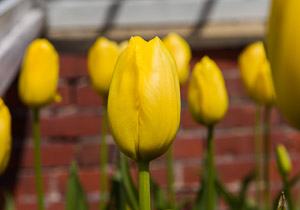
71	131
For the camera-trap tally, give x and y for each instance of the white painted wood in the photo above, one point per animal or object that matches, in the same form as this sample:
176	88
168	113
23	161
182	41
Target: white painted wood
10	12
14	44
91	14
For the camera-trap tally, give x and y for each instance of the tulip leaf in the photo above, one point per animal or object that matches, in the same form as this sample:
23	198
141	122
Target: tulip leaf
129	187
240	200
117	194
159	199
75	199
9	201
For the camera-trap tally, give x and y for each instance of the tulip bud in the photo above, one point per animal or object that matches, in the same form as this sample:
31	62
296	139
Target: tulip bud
39	74
207	96
283	50
144	100
256	75
5	136
101	61
181	51
283	160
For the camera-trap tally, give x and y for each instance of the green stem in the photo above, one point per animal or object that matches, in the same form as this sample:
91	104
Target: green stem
267	157
103	158
128	182
144	185
257	152
210	200
37	159
287	193
170	174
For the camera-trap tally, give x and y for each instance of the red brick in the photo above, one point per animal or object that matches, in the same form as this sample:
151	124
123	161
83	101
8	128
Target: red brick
55	154
192	175
86	96
235	88
73	125
187	148
25	206
235	170
89	154
237	115
72	65
26	184
56	206
226	59
159	174
64	92
90	179
234	145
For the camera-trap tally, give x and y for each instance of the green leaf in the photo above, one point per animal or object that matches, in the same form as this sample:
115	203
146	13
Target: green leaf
127	181
75	199
9	201
117	193
159	199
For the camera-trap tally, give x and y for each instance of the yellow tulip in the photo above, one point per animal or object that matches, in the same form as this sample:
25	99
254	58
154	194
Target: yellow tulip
5	136
181	51
123	45
256	74
283	160
144	100
101	61
207	95
284	49
39	74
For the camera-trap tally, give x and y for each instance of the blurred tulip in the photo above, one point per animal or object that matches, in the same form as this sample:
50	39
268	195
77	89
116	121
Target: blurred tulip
283	47
256	74
144	100
101	61
123	45
5	136
207	96
283	160
181	51
39	75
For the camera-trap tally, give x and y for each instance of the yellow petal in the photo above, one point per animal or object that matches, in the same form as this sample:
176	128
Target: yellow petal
256	74
284	50
263	86
181	51
39	74
207	96
144	100
101	61
123	45
5	136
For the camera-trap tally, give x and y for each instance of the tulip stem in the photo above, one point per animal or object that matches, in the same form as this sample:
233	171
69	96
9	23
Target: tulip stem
170	172
37	159
103	158
287	192
257	152
144	185
267	157
210	200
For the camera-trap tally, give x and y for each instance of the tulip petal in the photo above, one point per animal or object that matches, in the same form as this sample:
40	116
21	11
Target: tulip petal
159	113
5	136
144	100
